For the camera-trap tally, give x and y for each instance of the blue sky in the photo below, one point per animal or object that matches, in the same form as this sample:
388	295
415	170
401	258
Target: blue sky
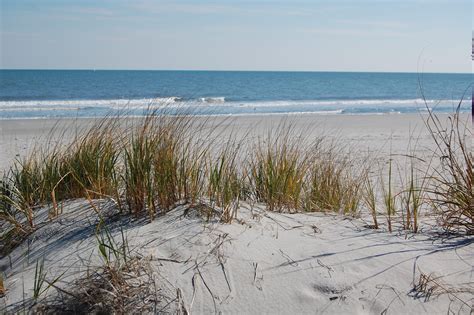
365	35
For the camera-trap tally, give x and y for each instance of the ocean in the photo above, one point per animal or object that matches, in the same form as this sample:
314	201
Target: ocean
89	93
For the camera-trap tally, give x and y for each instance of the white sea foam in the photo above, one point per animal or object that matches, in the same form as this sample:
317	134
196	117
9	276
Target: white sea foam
212	99
88	103
222	106
375	102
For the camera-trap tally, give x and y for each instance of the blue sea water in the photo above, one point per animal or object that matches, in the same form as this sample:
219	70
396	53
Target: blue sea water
87	93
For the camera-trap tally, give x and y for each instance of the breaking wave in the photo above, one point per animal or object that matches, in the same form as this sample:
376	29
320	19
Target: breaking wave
220	106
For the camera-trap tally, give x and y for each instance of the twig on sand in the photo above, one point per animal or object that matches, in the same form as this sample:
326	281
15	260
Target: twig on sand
181	306
255	266
325	266
172	260
257	280
62	290
280	225
225	275
382	287
221	240
193	283
428	285
207	287
290	260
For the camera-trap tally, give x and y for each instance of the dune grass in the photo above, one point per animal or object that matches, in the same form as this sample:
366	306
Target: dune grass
278	169
138	166
334	184
25	182
389	196
40	284
450	189
12	207
369	197
225	182
162	160
91	161
413	198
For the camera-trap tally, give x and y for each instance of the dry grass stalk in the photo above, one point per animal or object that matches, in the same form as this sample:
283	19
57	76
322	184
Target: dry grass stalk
430	285
2	286
370	199
451	191
125	289
389	197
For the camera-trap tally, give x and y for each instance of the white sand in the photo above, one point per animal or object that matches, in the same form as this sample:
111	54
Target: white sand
267	263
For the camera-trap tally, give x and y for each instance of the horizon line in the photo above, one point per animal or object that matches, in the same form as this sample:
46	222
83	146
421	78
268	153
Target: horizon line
225	70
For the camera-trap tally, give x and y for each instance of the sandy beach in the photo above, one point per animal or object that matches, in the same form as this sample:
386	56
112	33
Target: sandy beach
266	263
262	262
377	134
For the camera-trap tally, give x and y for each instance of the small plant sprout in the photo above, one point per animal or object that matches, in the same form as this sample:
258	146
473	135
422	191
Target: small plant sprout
41	285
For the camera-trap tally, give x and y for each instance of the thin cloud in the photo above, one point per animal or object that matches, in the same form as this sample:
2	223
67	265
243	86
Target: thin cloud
352	32
373	23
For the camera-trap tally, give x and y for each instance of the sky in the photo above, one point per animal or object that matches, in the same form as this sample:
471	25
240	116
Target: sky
337	35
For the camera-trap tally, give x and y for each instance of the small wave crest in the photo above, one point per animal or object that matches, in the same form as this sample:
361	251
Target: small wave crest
220	106
81	104
212	100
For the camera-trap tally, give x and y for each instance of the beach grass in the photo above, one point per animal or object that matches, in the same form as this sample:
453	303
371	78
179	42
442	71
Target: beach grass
278	169
369	197
91	161
450	188
225	182
138	167
334	185
160	161
389	197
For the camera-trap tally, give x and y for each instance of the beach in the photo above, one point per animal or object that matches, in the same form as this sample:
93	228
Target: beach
375	134
261	262
264	263
236	157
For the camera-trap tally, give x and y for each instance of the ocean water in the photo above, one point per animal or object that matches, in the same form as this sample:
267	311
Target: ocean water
88	93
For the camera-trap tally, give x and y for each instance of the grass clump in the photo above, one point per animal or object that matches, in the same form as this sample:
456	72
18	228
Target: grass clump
389	197
162	165
278	169
369	197
123	284
129	288
165	163
333	186
90	163
138	169
225	184
412	200
12	208
450	191
179	162
22	187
